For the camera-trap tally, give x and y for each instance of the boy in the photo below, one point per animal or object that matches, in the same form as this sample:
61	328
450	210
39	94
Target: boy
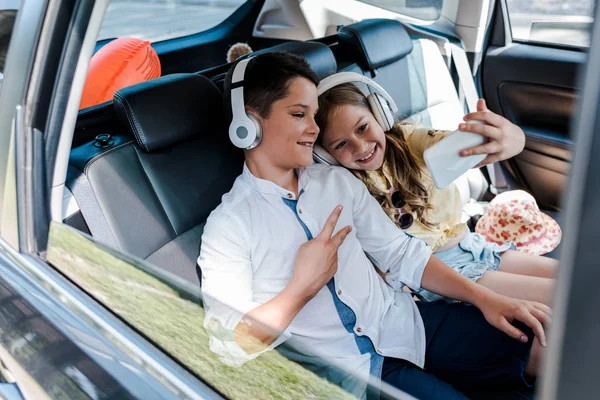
276	267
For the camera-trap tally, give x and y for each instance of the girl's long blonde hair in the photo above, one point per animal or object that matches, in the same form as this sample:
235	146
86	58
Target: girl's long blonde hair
402	170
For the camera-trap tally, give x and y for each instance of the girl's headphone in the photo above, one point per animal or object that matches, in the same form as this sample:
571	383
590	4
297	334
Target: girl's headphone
244	131
382	106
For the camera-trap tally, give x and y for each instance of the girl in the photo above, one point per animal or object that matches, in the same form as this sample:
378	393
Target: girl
391	166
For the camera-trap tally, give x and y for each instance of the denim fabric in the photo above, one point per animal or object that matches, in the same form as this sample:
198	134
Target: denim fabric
471	258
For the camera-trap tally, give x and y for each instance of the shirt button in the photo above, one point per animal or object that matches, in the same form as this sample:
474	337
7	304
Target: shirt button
300	210
290	196
339	292
359	329
378	351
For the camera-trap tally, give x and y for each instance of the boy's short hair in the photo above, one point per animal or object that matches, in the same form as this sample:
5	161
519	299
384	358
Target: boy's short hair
267	79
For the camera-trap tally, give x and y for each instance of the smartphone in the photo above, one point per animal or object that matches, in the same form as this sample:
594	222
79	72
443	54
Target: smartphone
444	161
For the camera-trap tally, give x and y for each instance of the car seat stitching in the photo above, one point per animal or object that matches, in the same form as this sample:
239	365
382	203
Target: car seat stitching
96	157
132	121
139	129
121	101
155	192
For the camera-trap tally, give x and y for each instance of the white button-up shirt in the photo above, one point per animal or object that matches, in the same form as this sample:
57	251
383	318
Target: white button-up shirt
247	257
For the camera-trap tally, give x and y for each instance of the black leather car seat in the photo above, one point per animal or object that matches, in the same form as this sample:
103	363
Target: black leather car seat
150	191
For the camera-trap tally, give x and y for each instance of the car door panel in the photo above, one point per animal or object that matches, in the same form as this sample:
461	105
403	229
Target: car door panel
546	176
551	144
544	114
535	87
538	107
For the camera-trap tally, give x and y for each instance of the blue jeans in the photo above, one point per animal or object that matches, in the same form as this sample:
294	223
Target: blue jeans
472	257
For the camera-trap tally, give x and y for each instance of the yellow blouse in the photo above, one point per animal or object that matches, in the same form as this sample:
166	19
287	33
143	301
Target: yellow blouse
446	204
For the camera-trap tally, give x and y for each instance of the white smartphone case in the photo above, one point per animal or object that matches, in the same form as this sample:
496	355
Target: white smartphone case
443	160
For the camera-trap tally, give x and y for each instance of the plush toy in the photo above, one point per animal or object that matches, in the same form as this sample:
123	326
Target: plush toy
121	63
238	50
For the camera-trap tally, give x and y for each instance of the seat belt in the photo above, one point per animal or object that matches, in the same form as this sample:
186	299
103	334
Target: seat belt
467	94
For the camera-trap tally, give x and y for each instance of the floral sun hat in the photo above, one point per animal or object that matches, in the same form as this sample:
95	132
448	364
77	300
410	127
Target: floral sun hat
514	216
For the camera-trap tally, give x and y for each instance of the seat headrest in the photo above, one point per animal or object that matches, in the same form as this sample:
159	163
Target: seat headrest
318	55
169	109
379	41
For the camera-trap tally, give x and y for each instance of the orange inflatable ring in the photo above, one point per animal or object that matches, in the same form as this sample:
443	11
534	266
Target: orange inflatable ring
121	63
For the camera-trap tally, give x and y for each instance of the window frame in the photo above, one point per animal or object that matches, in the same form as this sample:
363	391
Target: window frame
561	46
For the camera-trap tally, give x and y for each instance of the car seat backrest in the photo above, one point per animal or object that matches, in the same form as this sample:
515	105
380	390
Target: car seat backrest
318	55
152	194
413	71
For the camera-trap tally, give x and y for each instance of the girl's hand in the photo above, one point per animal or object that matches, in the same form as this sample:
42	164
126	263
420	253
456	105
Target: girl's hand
500	311
505	138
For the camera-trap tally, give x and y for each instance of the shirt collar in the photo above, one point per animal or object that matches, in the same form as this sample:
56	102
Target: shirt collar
268	187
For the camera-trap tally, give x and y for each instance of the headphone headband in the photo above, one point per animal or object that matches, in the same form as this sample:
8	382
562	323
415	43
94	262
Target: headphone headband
244	130
347	77
240	70
238	108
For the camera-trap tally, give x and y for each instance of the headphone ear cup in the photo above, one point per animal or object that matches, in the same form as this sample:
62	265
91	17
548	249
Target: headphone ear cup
322	156
381	111
258	130
245	133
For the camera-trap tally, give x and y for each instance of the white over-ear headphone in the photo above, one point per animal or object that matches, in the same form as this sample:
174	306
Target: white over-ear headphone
382	106
244	131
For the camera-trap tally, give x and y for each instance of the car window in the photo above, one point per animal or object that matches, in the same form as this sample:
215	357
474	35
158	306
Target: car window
159	20
561	22
428	10
173	318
